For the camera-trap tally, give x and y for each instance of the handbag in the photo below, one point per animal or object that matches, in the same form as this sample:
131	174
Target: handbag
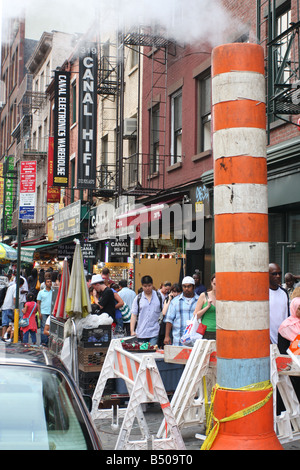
25	321
201	329
126	313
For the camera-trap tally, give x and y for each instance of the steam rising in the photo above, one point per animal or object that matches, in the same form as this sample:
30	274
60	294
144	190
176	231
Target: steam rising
187	21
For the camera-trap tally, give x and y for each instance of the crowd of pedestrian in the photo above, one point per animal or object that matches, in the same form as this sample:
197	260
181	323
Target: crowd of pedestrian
35	304
158	316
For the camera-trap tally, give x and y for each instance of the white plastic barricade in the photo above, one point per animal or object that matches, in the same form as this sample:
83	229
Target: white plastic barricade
193	390
144	385
287	424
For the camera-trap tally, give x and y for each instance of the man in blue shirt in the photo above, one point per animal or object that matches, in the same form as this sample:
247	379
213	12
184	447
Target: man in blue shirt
128	295
145	312
180	310
44	302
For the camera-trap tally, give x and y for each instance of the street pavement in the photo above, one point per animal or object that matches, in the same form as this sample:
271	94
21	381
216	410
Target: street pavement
153	417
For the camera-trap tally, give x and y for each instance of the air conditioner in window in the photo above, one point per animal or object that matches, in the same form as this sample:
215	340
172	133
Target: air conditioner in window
130	128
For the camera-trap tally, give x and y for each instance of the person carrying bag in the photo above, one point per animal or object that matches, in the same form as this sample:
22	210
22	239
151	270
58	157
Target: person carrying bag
28	322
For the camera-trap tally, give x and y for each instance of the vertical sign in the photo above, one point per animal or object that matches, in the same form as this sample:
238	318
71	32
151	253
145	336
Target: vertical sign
53	193
8	172
61	129
27	190
86	177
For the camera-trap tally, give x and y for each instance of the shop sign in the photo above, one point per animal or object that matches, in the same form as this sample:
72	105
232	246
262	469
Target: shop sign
27	190
101	223
53	192
61	129
67	221
9	192
119	247
67	250
86	178
88	250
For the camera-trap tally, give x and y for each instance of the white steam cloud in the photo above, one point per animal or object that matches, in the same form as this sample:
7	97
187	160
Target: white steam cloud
187	21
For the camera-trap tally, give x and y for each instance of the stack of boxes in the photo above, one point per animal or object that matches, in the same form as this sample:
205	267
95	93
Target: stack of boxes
92	350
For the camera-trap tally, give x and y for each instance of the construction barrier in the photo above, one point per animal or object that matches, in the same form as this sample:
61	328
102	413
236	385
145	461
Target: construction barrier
191	398
144	385
287	424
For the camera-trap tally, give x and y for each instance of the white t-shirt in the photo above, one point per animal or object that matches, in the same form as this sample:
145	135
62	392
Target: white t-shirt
10	295
278	305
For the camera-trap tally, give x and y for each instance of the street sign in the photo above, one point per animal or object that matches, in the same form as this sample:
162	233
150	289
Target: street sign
27	190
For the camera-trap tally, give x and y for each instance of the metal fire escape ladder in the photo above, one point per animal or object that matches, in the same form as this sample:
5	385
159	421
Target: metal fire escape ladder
282	55
149	171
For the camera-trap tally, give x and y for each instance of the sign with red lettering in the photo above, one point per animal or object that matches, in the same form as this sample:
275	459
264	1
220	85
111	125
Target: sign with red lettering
27	190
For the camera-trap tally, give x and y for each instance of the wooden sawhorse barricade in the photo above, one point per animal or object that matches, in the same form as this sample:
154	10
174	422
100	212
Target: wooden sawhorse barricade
188	402
192	395
144	385
287	424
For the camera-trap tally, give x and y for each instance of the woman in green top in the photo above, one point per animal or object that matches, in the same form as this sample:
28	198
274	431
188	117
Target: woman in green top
206	310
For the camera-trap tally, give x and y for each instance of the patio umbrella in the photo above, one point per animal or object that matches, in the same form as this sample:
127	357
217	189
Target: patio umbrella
59	310
7	254
78	303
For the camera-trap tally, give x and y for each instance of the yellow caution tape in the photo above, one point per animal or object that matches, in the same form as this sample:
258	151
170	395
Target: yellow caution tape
213	432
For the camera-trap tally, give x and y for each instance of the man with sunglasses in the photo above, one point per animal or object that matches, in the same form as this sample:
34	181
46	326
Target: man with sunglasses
278	301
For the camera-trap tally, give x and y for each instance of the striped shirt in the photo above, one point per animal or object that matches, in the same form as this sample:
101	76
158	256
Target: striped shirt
180	310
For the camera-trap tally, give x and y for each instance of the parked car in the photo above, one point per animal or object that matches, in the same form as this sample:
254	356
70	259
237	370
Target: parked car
41	407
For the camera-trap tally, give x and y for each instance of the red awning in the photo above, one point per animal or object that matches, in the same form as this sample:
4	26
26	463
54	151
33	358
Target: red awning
140	216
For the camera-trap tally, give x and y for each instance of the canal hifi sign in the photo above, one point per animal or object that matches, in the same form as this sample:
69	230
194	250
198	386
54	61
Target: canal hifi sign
86	178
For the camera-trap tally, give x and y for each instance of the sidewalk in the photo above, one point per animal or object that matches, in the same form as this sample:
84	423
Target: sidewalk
153	417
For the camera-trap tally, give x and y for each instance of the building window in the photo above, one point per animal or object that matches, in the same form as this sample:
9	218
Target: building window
133	163
283	21
74	101
72	180
154	139
134	56
176	127
204	113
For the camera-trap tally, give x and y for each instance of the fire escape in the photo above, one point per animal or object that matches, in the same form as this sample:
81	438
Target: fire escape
28	102
132	174
280	39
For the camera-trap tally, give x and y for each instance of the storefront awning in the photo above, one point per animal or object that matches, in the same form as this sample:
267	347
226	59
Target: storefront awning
28	251
140	216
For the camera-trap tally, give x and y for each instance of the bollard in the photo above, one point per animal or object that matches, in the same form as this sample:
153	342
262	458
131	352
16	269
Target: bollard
243	404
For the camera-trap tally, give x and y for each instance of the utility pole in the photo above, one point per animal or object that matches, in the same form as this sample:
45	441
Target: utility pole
243	401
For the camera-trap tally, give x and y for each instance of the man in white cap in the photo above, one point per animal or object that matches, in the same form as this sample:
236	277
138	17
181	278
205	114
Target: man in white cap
107	300
180	311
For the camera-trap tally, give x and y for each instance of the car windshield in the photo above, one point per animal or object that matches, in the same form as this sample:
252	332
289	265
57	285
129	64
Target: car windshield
38	411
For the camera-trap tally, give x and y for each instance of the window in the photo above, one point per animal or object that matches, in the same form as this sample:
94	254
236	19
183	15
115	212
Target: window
42	82
39	411
40	139
283	21
133	162
72	180
176	127
204	113
104	177
105	150
154	140
134	56
74	101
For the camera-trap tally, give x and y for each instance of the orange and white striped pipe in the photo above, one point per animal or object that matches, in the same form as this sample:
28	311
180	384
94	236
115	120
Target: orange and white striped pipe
241	220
